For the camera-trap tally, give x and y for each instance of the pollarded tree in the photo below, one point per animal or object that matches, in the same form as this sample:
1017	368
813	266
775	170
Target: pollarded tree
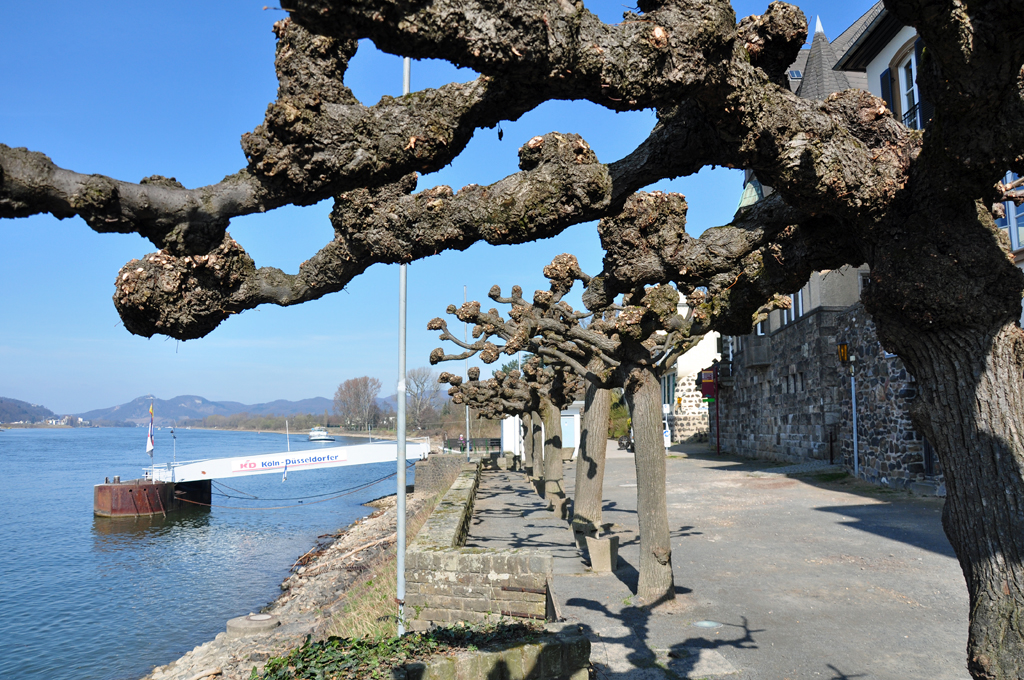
505	394
623	346
539	392
853	186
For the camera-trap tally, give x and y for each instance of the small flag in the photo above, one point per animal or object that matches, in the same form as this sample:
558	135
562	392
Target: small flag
150	445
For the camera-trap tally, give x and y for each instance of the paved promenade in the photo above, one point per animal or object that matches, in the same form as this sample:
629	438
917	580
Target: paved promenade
776	577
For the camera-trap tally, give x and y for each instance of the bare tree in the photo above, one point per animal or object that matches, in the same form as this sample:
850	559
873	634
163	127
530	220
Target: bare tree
539	392
853	185
355	401
423	390
623	346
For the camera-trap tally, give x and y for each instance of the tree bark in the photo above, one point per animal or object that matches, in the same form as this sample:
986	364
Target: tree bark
527	435
527	443
970	408
643	396
537	471
952	316
553	450
586	509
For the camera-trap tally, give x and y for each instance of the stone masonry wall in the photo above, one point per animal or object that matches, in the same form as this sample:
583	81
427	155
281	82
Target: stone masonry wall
437	473
560	653
689	419
446	582
892	452
790	409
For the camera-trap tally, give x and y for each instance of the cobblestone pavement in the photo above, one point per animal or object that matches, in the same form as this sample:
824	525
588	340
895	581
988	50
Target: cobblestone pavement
776	577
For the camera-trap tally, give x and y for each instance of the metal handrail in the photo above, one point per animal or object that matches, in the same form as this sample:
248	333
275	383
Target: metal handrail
912	118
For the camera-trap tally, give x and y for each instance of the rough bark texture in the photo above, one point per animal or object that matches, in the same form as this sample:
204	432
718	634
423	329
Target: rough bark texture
553	464
973	375
643	397
853	185
527	424
586	504
536	472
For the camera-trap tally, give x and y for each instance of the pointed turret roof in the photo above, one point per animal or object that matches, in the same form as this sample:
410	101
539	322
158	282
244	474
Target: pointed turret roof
819	79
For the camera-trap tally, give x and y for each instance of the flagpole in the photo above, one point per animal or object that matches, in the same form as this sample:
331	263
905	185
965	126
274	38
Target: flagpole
150	445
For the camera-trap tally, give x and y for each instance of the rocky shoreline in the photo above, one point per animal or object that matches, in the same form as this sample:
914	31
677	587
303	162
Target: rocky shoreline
312	595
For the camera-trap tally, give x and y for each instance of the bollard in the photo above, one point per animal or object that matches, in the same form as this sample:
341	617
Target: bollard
604	553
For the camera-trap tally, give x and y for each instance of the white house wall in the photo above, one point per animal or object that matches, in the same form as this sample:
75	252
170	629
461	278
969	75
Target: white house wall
881	61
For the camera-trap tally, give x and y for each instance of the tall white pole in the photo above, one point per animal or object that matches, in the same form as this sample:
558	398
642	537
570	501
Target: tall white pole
465	338
400	529
853	398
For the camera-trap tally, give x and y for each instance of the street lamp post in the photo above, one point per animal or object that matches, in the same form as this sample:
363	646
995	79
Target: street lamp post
400	509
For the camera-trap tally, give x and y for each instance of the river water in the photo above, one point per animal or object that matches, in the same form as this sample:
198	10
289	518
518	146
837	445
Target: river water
107	599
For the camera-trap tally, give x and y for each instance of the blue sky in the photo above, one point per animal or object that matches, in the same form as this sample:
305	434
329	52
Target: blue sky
130	89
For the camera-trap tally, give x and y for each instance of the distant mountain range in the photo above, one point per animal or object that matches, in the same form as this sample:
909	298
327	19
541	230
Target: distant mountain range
166	411
14	411
189	406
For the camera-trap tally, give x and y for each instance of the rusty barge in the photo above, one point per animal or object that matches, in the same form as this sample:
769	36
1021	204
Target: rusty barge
146	497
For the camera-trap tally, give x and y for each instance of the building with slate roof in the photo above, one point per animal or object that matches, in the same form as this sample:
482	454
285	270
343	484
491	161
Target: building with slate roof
784	394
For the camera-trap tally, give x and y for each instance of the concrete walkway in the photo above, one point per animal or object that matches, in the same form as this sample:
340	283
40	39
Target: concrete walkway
508	513
776	577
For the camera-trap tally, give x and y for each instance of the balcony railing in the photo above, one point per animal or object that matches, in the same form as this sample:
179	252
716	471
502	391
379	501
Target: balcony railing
912	118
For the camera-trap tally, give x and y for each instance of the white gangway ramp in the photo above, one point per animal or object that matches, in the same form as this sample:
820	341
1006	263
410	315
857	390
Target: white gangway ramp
242	466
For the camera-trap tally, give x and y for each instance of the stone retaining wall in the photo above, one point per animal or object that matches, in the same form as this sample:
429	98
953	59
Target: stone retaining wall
555	655
437	473
446	582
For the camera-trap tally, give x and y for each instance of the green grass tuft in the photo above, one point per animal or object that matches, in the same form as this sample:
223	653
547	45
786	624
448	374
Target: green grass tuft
372	658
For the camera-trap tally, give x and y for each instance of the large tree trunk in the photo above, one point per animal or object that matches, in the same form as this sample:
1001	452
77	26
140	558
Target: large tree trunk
537	471
553	452
966	352
971	408
586	508
643	396
527	421
527	435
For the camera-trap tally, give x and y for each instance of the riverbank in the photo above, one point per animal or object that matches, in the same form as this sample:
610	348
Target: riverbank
390	436
314	598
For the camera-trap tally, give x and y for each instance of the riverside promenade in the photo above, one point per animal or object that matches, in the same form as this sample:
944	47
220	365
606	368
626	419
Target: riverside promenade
777	577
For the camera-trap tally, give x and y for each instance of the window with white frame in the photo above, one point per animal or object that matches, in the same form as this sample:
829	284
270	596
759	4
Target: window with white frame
909	99
759	328
796	308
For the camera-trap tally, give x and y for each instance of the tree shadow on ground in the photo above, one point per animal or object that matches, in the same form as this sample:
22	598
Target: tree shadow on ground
613	506
681	659
629	576
634	535
633	633
839	675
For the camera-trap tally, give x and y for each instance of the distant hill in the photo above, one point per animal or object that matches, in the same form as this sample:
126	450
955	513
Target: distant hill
189	406
282	407
13	411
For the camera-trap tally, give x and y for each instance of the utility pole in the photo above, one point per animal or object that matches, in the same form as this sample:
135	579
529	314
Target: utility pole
465	337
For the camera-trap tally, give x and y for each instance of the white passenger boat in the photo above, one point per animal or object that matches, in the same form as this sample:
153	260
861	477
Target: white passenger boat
319	434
